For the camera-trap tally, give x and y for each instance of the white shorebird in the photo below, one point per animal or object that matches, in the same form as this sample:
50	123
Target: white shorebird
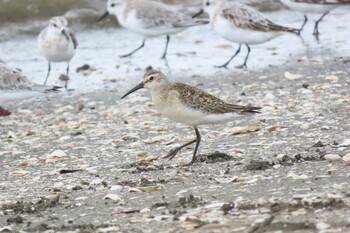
149	19
242	24
317	6
189	105
57	42
14	85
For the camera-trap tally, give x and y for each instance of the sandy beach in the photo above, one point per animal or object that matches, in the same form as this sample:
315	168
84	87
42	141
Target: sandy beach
93	162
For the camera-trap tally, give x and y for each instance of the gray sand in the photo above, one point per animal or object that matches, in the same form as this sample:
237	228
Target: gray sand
92	163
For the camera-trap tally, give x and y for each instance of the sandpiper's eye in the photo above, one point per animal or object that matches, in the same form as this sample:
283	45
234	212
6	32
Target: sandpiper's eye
55	25
151	78
112	5
207	4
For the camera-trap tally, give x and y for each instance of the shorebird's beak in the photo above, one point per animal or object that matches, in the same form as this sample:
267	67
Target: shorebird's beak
138	87
65	34
103	16
199	13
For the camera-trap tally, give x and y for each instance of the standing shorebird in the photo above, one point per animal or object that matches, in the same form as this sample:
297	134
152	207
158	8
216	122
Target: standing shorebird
150	19
189	105
15	85
317	6
57	42
242	24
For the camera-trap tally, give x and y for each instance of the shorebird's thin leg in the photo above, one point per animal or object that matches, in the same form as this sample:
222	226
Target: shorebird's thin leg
302	26
244	65
48	73
173	152
166	47
198	140
66	85
228	62
129	54
316	32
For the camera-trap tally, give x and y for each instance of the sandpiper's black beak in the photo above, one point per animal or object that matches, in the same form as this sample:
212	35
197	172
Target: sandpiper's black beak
138	87
199	13
103	16
65	34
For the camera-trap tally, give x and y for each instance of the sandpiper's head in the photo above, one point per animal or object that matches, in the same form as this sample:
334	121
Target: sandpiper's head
114	7
152	79
208	7
58	23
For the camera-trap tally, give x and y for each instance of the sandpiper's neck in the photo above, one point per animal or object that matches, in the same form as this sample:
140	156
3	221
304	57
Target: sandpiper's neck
123	11
53	32
161	88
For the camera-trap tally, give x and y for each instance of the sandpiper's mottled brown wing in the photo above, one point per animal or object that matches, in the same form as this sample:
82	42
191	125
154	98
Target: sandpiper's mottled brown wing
248	18
198	99
157	15
329	2
13	79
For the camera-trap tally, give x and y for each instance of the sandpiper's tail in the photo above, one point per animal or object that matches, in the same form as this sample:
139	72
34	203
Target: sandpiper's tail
250	110
192	23
244	110
276	27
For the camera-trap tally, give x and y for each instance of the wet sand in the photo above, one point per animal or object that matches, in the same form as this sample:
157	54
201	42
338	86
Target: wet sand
194	51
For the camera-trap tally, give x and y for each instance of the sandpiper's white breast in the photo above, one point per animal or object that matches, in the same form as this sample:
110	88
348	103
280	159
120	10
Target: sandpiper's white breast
308	7
55	47
229	31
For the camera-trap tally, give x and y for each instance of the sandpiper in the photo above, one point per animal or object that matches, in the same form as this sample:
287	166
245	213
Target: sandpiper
317	6
15	85
57	42
242	24
189	105
150	19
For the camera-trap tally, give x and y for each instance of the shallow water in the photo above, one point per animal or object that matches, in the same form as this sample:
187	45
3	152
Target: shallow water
194	51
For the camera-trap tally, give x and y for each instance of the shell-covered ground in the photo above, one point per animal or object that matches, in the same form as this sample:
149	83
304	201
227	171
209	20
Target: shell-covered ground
90	162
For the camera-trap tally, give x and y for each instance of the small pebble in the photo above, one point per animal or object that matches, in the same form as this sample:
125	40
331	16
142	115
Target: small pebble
322	226
345	143
332	157
57	154
346	157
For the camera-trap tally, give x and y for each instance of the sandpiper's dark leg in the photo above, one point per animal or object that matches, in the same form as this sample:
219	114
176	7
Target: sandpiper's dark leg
66	85
244	65
316	32
129	54
166	47
48	73
198	140
228	62
302	26
173	152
